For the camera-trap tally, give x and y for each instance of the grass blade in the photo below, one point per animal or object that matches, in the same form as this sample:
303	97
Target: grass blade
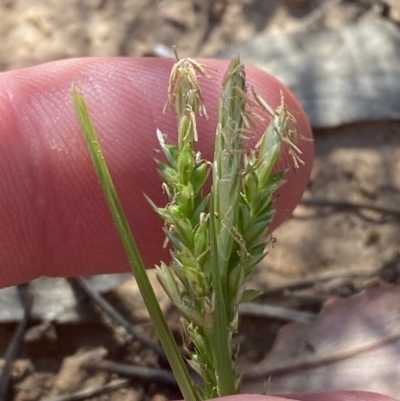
135	261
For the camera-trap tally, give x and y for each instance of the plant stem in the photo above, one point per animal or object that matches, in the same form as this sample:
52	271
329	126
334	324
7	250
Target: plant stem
221	343
135	261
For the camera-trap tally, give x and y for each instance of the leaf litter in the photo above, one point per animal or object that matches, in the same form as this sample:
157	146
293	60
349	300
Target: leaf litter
354	345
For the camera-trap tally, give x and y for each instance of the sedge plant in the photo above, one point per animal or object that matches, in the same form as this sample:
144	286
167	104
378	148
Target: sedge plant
216	238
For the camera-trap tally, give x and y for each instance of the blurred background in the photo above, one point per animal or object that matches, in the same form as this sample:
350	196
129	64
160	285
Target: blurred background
342	60
33	32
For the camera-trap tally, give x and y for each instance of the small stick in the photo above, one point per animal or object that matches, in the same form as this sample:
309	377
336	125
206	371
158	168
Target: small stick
90	392
15	343
216	9
112	312
318	13
312	281
276	312
376	8
138	372
345	205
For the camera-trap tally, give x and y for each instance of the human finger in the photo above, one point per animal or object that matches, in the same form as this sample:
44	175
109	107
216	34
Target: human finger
54	219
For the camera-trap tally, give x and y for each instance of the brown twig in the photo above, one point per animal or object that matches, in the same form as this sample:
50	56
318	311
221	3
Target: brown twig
217	9
138	372
15	343
114	314
307	282
318	13
276	312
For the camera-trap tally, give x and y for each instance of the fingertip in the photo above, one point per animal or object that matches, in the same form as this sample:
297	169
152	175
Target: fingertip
70	231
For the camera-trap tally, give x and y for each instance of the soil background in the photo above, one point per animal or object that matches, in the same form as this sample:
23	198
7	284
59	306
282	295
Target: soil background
358	163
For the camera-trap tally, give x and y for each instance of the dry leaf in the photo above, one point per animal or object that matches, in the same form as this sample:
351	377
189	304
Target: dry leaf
354	345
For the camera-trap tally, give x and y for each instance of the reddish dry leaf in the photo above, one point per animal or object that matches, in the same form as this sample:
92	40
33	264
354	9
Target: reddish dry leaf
354	345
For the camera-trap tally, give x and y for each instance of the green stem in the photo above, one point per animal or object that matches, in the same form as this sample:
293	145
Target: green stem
167	340
220	337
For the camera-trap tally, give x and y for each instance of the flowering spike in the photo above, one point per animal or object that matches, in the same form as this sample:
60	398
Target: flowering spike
218	238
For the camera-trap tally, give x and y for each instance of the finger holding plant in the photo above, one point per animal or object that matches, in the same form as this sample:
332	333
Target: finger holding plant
216	238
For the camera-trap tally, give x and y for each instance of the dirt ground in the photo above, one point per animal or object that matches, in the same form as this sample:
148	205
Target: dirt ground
358	163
